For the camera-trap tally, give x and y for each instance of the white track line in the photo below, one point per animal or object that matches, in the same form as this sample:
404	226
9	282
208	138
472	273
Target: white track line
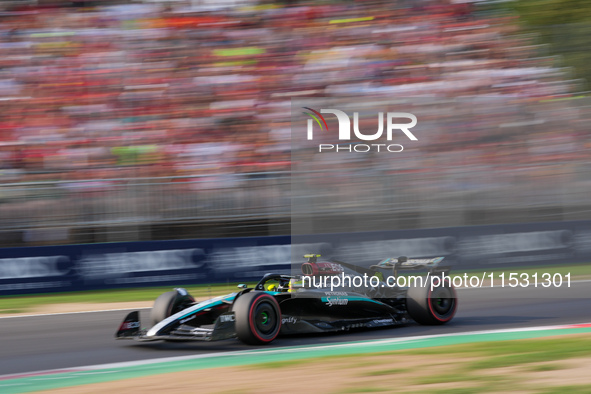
74	313
291	349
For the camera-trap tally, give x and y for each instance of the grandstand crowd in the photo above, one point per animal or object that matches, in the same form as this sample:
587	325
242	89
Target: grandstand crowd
170	89
163	89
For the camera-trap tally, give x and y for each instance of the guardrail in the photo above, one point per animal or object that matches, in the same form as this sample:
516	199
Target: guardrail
113	204
134	209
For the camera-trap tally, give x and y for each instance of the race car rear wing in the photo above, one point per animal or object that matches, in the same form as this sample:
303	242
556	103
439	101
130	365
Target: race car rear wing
404	263
333	267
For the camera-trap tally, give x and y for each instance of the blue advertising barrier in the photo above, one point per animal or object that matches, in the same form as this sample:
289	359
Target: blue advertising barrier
161	263
132	264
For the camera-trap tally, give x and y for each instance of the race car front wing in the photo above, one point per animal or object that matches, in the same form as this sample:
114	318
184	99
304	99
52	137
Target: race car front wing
223	328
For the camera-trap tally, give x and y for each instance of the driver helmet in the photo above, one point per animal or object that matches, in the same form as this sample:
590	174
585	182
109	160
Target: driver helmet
295	284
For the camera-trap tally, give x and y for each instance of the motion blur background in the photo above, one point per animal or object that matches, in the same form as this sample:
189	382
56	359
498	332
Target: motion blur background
131	121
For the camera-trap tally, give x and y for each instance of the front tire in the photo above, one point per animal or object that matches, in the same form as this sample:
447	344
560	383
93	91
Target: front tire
432	306
167	304
258	318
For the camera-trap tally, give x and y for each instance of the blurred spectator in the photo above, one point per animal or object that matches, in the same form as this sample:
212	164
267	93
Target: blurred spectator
190	91
134	90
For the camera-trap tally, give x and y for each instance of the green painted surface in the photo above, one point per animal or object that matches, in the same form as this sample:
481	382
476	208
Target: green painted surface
67	379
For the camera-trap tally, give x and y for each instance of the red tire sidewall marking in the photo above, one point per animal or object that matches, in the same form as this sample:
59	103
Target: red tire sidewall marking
434	314
251	321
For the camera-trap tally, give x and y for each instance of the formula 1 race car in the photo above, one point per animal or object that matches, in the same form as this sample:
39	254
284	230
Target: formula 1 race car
308	303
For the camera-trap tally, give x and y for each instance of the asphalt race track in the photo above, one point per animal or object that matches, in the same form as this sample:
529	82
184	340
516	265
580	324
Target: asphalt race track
63	341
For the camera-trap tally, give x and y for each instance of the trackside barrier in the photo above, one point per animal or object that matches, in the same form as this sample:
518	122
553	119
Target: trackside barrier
159	263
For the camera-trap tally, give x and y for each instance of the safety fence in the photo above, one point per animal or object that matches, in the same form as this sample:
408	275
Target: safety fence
113	210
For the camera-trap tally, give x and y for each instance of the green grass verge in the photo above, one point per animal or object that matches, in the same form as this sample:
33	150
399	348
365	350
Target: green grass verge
390	371
476	367
279	364
18	304
517	352
579	389
544	368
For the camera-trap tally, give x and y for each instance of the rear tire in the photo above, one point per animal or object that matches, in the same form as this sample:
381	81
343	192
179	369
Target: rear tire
167	304
432	306
258	318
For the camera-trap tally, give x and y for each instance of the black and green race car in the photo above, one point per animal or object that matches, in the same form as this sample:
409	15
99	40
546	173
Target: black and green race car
308	303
